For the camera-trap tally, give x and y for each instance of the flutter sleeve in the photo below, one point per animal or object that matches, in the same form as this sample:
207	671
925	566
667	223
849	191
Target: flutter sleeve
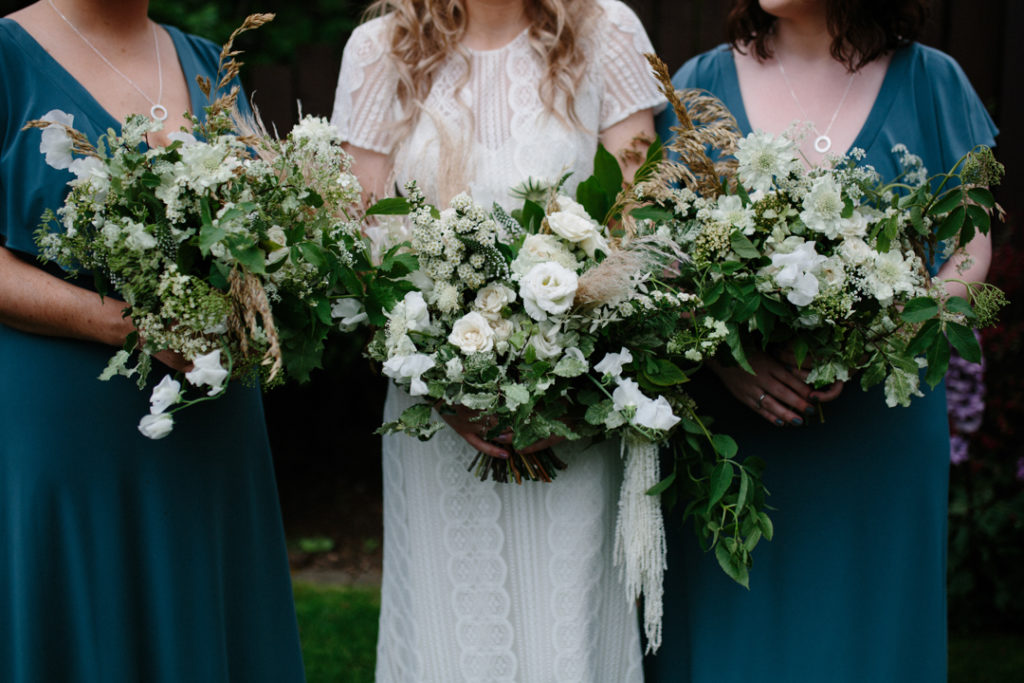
628	82
365	108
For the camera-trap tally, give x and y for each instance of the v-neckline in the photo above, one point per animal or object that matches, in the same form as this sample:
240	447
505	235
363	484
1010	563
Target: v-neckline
876	116
57	74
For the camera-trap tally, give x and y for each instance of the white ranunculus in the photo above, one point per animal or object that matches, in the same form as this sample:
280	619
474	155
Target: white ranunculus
546	342
656	414
823	206
472	333
417	316
207	371
410	367
349	312
165	394
55	142
548	289
797	273
277	236
492	298
628	395
612	363
156	426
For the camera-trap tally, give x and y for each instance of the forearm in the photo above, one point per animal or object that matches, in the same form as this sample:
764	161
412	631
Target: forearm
34	301
977	255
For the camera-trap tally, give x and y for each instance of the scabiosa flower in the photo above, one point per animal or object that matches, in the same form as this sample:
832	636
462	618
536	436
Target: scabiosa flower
763	157
823	207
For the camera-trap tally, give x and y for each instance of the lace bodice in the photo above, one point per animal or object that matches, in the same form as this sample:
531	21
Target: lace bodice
491	127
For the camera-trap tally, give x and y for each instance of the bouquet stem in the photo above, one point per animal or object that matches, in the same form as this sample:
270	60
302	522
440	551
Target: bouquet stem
539	466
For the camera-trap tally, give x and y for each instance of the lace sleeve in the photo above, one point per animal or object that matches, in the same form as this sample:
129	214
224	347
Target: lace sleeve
364	103
629	84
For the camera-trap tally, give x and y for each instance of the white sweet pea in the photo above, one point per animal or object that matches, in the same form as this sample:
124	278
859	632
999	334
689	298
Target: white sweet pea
548	288
656	414
492	298
410	367
472	333
156	426
349	312
165	394
417	317
55	142
797	273
137	238
612	363
207	370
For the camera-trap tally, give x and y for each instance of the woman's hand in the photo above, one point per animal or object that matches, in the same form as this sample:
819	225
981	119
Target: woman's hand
774	392
471	426
829	393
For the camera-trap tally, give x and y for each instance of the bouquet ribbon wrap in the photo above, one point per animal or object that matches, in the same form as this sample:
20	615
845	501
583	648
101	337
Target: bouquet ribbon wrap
640	550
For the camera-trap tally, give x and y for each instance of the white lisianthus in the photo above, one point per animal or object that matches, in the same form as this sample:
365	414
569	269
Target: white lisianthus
472	333
156	426
207	371
410	367
165	394
612	363
548	289
492	298
539	249
656	414
55	142
823	207
797	273
349	312
546	342
277	236
762	157
730	210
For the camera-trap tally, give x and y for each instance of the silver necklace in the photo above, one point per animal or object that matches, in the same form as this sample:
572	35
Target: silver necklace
157	111
823	142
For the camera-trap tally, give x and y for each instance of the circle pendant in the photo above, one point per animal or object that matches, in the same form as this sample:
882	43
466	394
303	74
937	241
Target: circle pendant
822	144
159	113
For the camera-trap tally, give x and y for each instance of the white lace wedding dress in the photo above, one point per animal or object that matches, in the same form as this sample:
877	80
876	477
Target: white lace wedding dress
487	582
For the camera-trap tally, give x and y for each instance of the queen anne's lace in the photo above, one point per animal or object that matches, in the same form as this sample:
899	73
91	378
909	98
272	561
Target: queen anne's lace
483	581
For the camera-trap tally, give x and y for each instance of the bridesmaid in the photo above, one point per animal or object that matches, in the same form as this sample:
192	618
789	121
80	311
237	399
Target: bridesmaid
121	558
852	589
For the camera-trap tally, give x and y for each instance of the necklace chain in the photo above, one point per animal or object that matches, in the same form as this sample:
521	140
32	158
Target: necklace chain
823	142
158	111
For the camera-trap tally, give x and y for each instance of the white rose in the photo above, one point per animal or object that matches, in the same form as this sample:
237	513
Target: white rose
545	342
417	317
570	205
277	236
55	142
410	367
541	249
492	298
656	414
165	394
548	289
612	363
856	251
571	227
350	312
472	333
503	329
156	426
207	370
594	244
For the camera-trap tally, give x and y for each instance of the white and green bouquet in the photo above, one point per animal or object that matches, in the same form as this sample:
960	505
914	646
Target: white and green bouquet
227	248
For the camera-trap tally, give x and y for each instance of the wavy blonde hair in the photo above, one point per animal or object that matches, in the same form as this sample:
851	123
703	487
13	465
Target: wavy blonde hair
425	32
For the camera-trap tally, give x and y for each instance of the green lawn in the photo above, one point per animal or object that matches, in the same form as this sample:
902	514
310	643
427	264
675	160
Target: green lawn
338	626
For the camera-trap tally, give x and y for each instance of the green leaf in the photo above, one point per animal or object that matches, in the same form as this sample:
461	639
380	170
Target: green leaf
980	218
313	254
924	337
724	445
741	497
208	236
654	213
713	293
389	206
982	196
666	374
743	246
764	523
721	478
734	567
920	309
958	304
594	199
951	224
963	340
736	346
874	373
950	201
607	172
662	485
250	256
938	361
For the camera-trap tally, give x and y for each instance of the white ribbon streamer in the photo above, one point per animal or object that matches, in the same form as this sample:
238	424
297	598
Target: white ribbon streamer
640	551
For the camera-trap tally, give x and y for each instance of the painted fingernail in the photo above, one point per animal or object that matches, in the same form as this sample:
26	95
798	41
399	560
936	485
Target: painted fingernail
504	438
779	422
797	421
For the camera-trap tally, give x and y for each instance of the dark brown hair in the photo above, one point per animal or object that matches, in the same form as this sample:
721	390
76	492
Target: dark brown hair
861	30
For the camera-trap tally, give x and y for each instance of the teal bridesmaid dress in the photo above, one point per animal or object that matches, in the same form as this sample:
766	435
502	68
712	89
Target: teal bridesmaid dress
853	587
123	559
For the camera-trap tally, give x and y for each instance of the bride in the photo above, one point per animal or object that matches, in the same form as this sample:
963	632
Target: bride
486	581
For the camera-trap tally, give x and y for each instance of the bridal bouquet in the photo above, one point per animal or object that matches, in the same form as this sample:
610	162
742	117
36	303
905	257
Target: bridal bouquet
831	262
227	248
